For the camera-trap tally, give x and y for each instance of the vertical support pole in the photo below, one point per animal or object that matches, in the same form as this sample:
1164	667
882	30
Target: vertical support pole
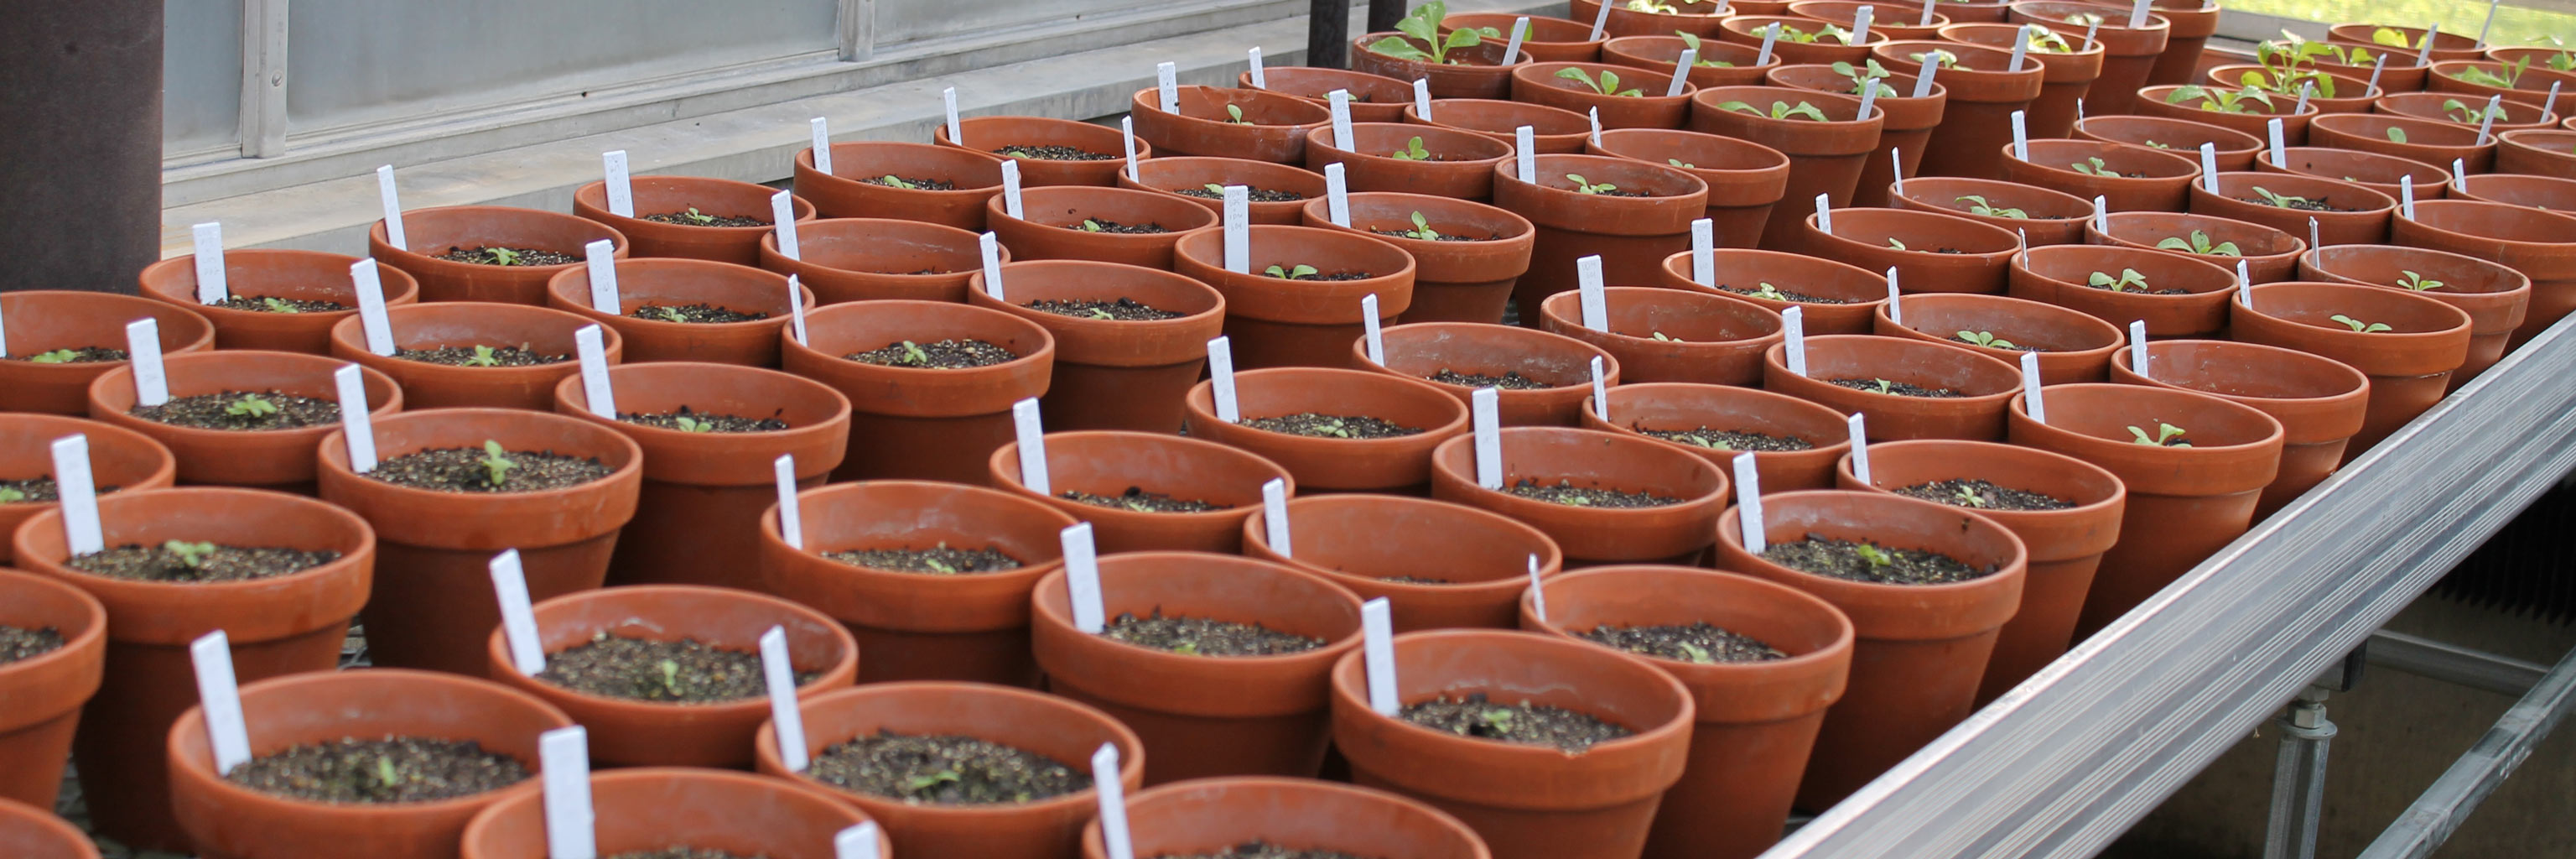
80	139
858	29
1382	14
2299	778
263	83
1328	33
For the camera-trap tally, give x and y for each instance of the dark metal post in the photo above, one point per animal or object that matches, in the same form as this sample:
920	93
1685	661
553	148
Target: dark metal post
80	141
1328	33
1383	14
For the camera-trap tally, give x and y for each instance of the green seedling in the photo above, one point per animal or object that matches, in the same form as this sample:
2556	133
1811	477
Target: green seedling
2083	19
895	181
1660	338
2466	115
1885	386
1423	26
1978	205
2285	69
386	773
1986	339
671	314
2093	167
1968	496
2360	326
1876	556
1704	441
2129	279
690	424
1828	31
252	406
1680	163
2417	282
1090	226
2154	145
2199	244
938	566
1893	243
1656	6
1697	653
2167	435
1606	84
1869	74
278	305
2297	51
1213	188
671	677
1500	719
914	354
1690	41
1412	151
1779	110
1298	272
2222	100
2392	37
58	356
193	555
698	217
484	357
1187	648
1234	115
1936	58
1585	186
1422	229
1578	501
2396	134
496	463
502	256
2282	200
2044	39
1335	429
925	782
1767	291
2505	75
11	495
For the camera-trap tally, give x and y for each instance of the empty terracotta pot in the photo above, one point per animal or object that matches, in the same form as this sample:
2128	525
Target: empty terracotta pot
1464	275
42	321
2066	74
1592	536
2539	192
2250	117
914	422
1233	123
1053	228
1976	414
1698	19
35	833
1046	725
2463	109
1214	815
2047	217
1741	272
1527	801
2320	402
1475	71
642	810
2426	140
2495	297
2537	152
464	325
1931	251
2127	178
1552	130
1189	177
1643	98
46	690
2360	216
1439	565
1109	464
1918	650
1548	40
1562	364
2129	53
1672	335
1907	122
1459	164
867	259
433	232
916	626
2063	276
1824	157
2235	149
228	820
2073	346
1310	322
434	604
1003	137
681	195
1745	179
1628	233
1719	64
663	282
1400	464
1112	373
1373	98
2193	22
1985	90
2534	243
1678	407
855	188
2269	254
266	459
2382	173
2410	359
282	274
119	459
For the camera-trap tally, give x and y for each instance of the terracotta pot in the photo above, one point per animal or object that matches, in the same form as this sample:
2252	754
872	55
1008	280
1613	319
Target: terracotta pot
2409	367
1203	716
1679	406
2534	243
1663	50
2161	102
1527	801
1054	228
1984	94
1454	281
2051	217
279	625
1113	374
1172	175
1548	40
1919	649
1277	322
1477	71
2236	150
1744	179
2402	74
119	459
1563	363
2269	254
869	259
2537	152
258	273
2149	180
844	193
228	821
2129	54
2364	222
273	459
921	423
1046	725
655	195
996	135
1976	11
2320	402
1824	157
1461	163
2438	106
1214	815
1272	128
2384	174
2495	297
1395	465
2351	94
474	323
1977	415
34	833
1907	123
703	492
1698	19
1746	28
2446	46
2531	85
46	690
2062	276
1650	107
653	281
42	321
1552	130
1373	98
1592	536
1477	561
912	626
2073	346
1904	20
630	732
1938	252
1109	463
443	229
1860	290
1753	722
2193	22
2540	54
2429	141
654	809
434	601
2194	499
1628	233
2065	545
2065	76
1672	335
2538	192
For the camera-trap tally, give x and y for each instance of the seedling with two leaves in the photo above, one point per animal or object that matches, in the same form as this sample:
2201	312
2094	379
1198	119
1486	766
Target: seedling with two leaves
1422	28
893	181
1422	229
1826	31
191	555
2417	282
1234	115
2503	76
1937	58
251	406
2129	279
697	217
1297	272
690	424
1767	291
1090	226
1894	243
1606	84
1412	151
278	305
502	256
2199	244
1968	495
2468	115
1986	339
483	357
2092	167
58	356
1876	556
2046	40
1690	42
496	463
2282	200
2359	326
1871	74
2167	435
1585	186
1977	204
2222	100
1779	110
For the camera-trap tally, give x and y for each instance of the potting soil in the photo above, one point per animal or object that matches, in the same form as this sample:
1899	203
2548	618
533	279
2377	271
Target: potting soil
1331	426
690	217
1865	561
1199	636
1123	309
469	469
1893	388
1326	275
1053	153
1141	501
685	852
1718	439
703	421
525	256
1694	642
82	355
243	411
18	642
683	671
1981	495
1104	225
1566	493
944	770
912	183
1264	850
700	313
939	561
1257	195
1438	236
387	770
940	355
474	356
1789	294
34	490
271	304
1510	380
183	561
1524	722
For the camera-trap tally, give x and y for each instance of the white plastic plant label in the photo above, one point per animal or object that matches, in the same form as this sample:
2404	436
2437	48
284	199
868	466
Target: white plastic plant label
1858	426
1220	355
4	336
1167	85
1337	195
2549	106
143	352
1590	294
1928	12
1525	153
1600	389
857	842
2489	26
786	721
1868	101
1793	340
1704	252
2138	347
372	321
1681	72
565	755
1422	98
956	129
2376	67
1082	578
599	261
79	495
2306	88
1593	115
587	345
2313	242
393	208
1011	189
2424	52
1895	296
1274	516
2459	171
1127	128
1377	650
1340	101
796	309
619	184
2280	153
1483	408
1770	38
1600	21
1512	44
822	145
220	694
1923	80
2244	285
2406	195
791	510
2092	29
2030	387
2102	214
1537	591
1861	19
2079	113
1825	214
1032	439
990	246
1748	504
1252	58
1238	229
782	211
2486	120
2138	14
2021	135
209	239
2020	49
518	619
2209	166
357	427
1896	169
1115	839
1372	332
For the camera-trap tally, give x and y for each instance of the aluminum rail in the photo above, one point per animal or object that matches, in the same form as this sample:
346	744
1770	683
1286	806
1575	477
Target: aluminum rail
2448	803
2061	765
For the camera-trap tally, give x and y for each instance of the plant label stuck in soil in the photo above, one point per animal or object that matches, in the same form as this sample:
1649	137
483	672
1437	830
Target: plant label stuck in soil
1868	101
2101	214
1770	38
1537	591
2021	135
857	842
2138	14
1590	294
1600	390
2209	166
1337	195
1896	164
143	352
1926	20
1895	302
2305	89
518	620
1082	578
357	428
1825	214
595	391
1512	46
564	755
1377	649
599	260
1274	515
2272	128
791	515
1032	438
1220	353
1704	252
369	284
1011	189
1238	229
2406	195
785	720
2138	347
822	145
1127	128
1594	115
796	309
1115	839
1681	73
1748	504
1167	85
2021	47
1861	19
1858	425
620	185
4	336
1525	153
2245	280
948	101
1483	404
2376	67
2424	52
393	208
77	494
1422	98
1252	59
2030	387
1372	330
2486	121
1793	340
220	696
1923	79
782	211
209	238
990	246
1340	102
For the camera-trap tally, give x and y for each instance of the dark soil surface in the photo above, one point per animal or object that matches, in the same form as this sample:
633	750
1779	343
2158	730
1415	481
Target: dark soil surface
1199	636
913	183
1621	193
683	852
1981	495
1438	236
1122	310
1525	723
1257	195
33	490
1871	562
942	355
181	561
702	421
243	410
1265	850
694	314
464	469
1331	426
1568	494
1785	294
18	642
1697	642
686	671
2301	204
481	356
940	561
1415	580
1335	275
1053	153
392	769
257	304
1900	389
82	355
1141	501
2107	288
945	770
524	256
1104	225
691	217
1510	380
1718	439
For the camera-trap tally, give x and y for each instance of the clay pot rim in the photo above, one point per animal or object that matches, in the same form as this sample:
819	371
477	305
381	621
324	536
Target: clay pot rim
1382	84
89	640
1775	162
1506	501
1446	822
1160	662
450	268
497	646
2021	263
1361	44
1370	243
205	339
1755	24
1846	636
1544	74
62	831
399	286
2297	244
1108	327
2012	31
1938	20
805	230
2388	104
1776	356
599	191
2264	157
321	366
1990	231
350	333
2462	328
830	313
2563	221
1149	100
805	164
2439	129
2339	186
1522	229
1357	702
1730	532
1901	81
2119	493
1549	309
806	502
2556	135
1724	10
2051	194
1323	137
567	391
1458	420
335	455
190	727
2313	258
2459	185
2278	435
238	501
572	285
2360	381
996	209
1709	98
2368	93
1549	196
163	473
1131	760
1680	262
1962	50
1009	454
482	822
2154	21
1611	45
2187	168
1535	22
1823	414
2160	92
1581	123
1543	341
1550	556
2077	318
939	137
